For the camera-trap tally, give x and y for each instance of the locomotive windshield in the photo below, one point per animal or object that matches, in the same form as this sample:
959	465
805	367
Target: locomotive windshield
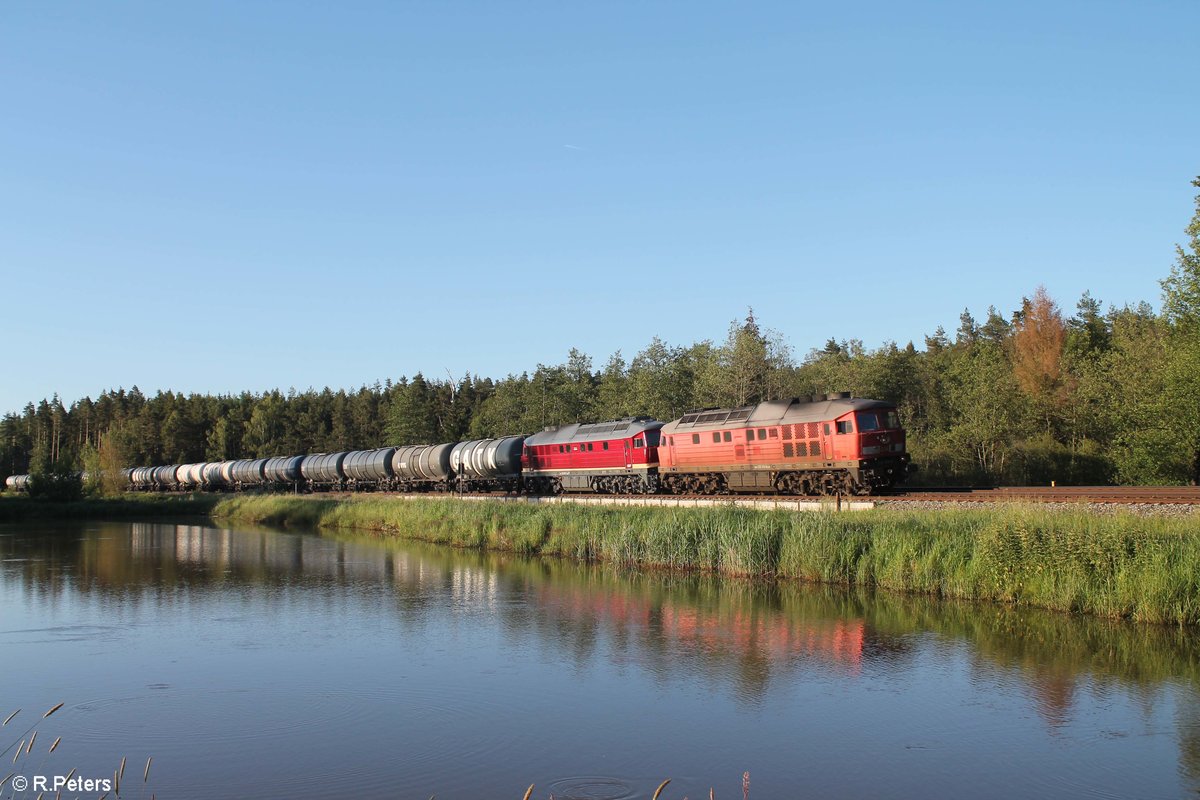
881	420
652	438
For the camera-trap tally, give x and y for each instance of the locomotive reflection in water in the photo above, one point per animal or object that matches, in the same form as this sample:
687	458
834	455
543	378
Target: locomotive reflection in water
837	445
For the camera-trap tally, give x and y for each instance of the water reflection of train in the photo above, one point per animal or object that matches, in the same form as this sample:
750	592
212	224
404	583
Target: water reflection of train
741	629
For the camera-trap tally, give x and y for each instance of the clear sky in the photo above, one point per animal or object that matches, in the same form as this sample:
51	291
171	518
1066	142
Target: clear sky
214	197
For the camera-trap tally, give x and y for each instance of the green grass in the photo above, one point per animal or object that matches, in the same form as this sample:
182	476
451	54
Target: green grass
1121	566
19	507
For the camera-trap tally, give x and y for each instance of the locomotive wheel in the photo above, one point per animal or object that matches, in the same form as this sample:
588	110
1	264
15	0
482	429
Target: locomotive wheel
791	483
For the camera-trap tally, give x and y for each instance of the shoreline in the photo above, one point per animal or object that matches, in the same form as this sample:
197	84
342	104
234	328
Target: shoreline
1118	566
1114	565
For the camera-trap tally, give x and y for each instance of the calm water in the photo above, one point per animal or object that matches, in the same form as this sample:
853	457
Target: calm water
254	663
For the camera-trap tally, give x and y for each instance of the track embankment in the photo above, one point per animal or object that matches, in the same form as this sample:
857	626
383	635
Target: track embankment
1118	566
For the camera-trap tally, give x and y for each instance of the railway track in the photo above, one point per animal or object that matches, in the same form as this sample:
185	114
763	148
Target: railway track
1123	495
1116	495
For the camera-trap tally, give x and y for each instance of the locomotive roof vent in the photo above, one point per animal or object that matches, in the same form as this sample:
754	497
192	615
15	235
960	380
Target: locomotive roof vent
838	396
816	398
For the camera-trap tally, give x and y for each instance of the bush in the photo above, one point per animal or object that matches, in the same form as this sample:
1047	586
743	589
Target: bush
56	486
1038	461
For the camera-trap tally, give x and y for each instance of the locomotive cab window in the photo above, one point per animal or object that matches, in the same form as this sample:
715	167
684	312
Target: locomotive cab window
639	442
728	436
845	426
589	447
762	434
695	438
893	419
717	436
868	421
604	446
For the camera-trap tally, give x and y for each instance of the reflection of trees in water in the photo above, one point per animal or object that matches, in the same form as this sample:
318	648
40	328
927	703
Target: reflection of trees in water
750	633
1056	653
1188	723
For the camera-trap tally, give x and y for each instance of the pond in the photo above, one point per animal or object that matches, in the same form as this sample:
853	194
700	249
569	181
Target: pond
273	664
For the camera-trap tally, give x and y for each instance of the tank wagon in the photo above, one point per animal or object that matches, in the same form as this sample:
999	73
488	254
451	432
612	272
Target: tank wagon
323	471
248	472
834	445
369	469
283	471
17	483
164	478
487	465
212	477
422	467
190	476
619	456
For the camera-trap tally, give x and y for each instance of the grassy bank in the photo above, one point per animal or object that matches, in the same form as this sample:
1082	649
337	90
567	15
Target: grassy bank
1141	568
15	508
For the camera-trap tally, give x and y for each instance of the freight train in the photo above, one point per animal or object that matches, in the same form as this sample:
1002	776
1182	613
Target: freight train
831	445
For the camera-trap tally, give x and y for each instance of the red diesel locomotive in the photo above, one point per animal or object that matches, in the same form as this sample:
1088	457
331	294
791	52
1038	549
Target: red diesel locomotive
839	445
604	457
833	445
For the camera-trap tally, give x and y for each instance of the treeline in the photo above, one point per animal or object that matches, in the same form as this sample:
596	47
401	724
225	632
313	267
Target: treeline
1100	395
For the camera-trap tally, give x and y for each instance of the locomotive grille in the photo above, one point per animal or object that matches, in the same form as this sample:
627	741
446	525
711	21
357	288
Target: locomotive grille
787	449
787	432
812	430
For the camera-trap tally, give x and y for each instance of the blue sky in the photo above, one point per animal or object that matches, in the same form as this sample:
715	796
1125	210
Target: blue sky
216	197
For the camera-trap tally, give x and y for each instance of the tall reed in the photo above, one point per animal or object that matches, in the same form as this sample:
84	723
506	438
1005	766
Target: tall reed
1120	566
